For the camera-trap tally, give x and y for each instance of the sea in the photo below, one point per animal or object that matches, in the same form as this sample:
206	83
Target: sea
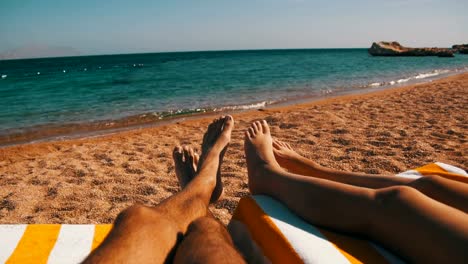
99	92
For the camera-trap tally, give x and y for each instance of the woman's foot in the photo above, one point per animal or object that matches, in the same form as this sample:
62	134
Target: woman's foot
259	154
284	153
214	146
292	161
185	163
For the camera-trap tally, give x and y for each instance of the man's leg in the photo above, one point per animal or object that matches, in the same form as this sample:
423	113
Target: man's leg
206	240
143	234
400	217
449	192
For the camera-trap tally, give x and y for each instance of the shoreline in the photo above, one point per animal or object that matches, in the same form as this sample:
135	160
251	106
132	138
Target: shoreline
67	131
90	180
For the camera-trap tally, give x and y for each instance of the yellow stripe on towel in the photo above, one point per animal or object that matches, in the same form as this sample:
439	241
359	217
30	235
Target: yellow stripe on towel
36	244
354	249
273	243
100	233
434	169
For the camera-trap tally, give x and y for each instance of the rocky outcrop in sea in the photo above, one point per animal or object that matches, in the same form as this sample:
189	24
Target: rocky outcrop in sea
462	48
394	48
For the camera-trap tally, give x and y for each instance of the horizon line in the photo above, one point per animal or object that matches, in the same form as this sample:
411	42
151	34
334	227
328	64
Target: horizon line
177	51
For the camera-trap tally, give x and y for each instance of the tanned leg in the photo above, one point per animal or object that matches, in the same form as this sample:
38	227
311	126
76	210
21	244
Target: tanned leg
417	227
206	240
449	192
151	234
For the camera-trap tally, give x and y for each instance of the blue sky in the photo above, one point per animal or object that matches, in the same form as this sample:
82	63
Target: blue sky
106	27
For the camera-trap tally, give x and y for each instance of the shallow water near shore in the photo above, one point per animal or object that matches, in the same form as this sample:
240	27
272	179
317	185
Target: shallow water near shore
96	92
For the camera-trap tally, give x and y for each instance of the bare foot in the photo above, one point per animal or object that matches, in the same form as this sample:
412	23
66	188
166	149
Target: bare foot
215	143
293	161
259	154
284	153
185	163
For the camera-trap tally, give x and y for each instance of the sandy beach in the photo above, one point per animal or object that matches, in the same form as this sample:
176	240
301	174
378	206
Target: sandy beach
90	180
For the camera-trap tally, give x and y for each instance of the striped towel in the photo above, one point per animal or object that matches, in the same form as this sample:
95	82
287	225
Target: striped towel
49	243
286	238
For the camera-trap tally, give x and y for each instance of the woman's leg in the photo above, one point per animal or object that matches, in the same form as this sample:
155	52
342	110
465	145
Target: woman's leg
145	234
416	226
449	192
297	164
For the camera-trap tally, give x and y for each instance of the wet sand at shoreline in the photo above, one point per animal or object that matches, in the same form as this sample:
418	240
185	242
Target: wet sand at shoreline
90	180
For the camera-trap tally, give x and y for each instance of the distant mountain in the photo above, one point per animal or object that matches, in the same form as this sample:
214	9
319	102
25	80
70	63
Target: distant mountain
38	51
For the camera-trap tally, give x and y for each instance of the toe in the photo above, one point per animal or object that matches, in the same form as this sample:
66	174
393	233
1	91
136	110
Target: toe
186	153
279	143
265	127
252	132
276	144
247	134
196	159
258	124
255	127
219	123
228	123
190	154
177	153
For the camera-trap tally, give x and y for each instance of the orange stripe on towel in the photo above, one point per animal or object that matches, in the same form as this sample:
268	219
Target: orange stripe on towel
354	249
434	169
267	235
36	244
100	233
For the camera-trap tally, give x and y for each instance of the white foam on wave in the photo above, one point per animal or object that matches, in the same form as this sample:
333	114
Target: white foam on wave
418	76
4	76
326	91
403	80
244	107
430	74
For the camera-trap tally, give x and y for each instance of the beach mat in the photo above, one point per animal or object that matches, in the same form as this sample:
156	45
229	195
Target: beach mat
286	238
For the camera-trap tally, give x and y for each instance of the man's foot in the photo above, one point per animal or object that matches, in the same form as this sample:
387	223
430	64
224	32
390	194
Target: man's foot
259	154
185	163
214	146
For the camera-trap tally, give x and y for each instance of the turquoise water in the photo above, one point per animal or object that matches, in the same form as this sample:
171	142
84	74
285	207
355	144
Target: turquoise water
42	92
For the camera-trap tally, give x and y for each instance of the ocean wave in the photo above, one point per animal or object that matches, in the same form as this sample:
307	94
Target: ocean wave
415	77
191	111
430	74
4	76
245	107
